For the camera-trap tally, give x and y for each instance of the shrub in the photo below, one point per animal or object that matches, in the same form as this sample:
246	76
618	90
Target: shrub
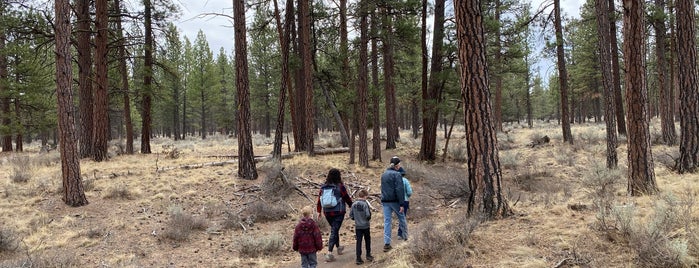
276	184
252	247
231	220
432	242
458	152
44	260
8	240
22	169
656	242
262	211
119	191
510	160
564	156
452	183
601	184
171	152
181	224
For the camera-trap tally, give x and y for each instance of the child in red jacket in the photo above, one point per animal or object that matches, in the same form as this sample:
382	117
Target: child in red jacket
307	239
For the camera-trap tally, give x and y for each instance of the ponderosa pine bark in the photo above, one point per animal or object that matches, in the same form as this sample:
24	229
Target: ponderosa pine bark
562	74
431	95
246	159
667	119
73	190
389	85
284	32
484	173
605	57
124	76
84	49
5	99
641	175
100	131
689	95
147	94
616	72
375	114
363	83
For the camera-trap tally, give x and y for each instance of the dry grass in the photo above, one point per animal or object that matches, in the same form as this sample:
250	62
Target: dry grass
567	208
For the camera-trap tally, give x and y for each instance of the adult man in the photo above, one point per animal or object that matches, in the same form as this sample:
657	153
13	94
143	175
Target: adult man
392	199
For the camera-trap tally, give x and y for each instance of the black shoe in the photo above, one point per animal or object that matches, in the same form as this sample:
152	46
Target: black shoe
359	261
387	247
370	258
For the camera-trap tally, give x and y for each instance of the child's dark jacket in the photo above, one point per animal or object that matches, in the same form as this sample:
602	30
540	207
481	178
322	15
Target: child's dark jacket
307	237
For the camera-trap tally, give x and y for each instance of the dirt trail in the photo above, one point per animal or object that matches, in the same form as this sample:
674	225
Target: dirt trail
347	259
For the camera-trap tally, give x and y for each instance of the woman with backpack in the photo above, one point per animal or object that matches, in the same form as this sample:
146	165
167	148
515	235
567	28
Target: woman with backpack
332	199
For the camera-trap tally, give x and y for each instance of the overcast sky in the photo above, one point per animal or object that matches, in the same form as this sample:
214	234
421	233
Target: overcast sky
196	15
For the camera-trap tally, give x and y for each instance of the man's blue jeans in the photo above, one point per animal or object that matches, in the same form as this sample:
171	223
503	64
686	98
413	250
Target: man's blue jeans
388	210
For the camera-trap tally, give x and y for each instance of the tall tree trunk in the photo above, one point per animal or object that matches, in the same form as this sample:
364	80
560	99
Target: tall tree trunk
101	102
307	75
147	93
19	146
363	83
375	114
389	85
298	113
484	172
616	71
431	97
73	191
673	58
4	92
425	58
283	31
498	70
204	103
641	177
84	49
246	161
689	94
604	45
528	95
344	53
562	74
667	119
124	80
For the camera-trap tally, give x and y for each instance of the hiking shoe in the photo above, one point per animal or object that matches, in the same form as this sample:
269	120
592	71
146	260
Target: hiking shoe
370	258
359	261
387	247
329	257
340	249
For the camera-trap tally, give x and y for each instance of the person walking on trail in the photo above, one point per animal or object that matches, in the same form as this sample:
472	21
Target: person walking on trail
331	200
307	239
406	204
361	214
392	200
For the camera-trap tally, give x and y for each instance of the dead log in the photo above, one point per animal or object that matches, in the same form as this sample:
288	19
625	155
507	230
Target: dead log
540	141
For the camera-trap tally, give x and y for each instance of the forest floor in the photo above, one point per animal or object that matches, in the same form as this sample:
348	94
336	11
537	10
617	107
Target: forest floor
184	206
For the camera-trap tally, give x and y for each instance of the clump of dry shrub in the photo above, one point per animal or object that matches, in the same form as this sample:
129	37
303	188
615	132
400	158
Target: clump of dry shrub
445	244
664	239
8	240
262	211
182	224
449	184
252	247
601	184
277	184
41	259
22	169
171	152
457	152
119	191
